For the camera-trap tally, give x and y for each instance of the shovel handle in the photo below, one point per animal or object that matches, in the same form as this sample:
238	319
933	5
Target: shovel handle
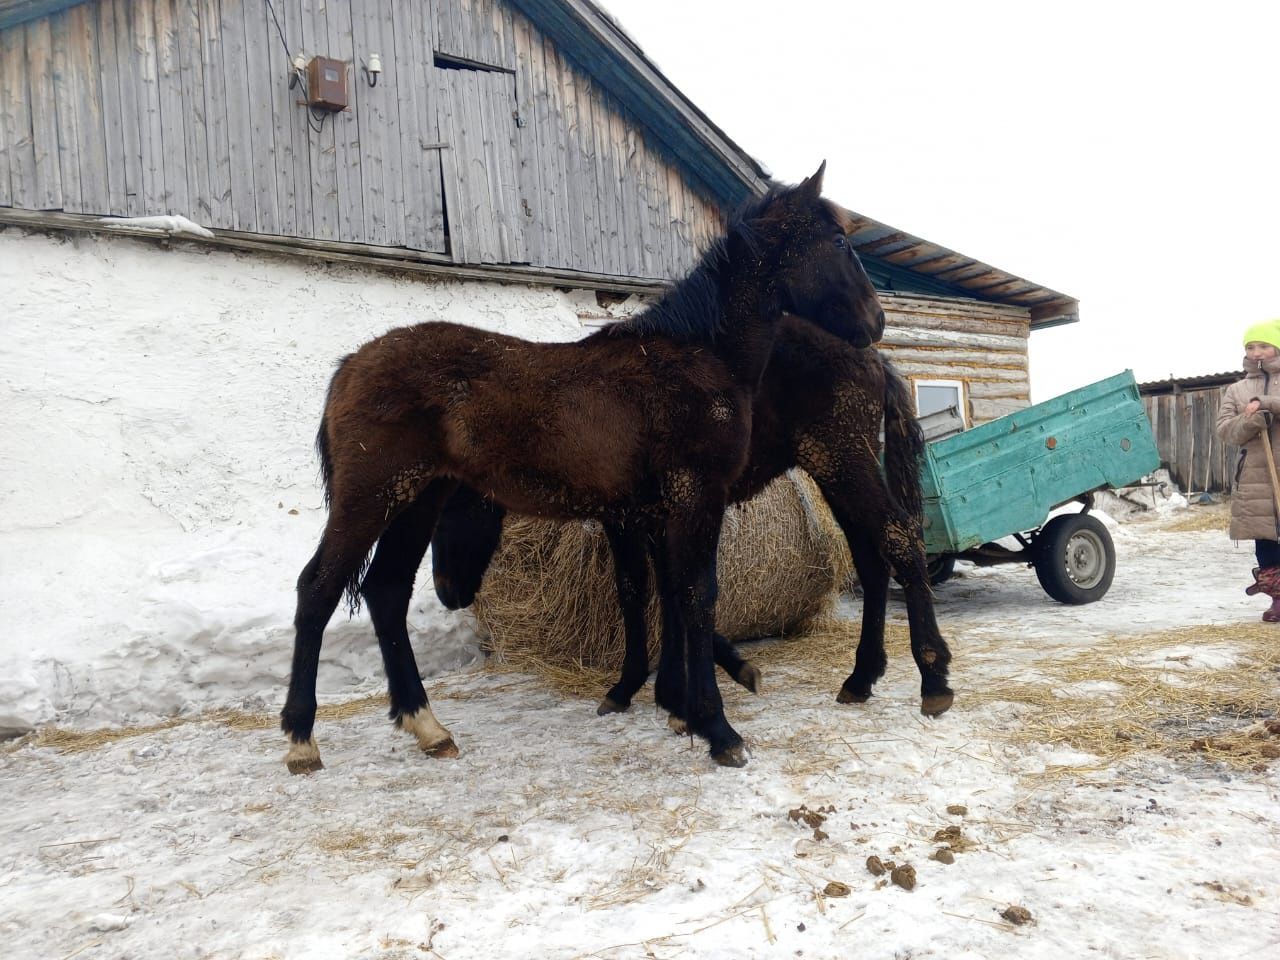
1271	466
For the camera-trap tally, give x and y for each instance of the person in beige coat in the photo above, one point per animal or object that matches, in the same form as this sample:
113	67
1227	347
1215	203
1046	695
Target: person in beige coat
1250	408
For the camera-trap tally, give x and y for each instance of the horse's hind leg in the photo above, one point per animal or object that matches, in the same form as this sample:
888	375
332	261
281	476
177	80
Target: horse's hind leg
388	589
631	577
348	535
873	576
880	535
743	672
904	548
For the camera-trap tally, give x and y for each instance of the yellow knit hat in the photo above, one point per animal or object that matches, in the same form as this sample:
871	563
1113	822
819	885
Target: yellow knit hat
1268	331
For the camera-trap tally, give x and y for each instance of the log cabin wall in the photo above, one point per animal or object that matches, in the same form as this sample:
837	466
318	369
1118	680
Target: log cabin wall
481	143
981	345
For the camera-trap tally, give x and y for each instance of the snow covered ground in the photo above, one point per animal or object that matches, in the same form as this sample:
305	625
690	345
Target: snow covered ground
561	834
158	496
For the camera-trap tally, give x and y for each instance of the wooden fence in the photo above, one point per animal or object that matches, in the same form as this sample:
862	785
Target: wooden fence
1184	427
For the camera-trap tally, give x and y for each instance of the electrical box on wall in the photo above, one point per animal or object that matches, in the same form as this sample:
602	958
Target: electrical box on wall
327	83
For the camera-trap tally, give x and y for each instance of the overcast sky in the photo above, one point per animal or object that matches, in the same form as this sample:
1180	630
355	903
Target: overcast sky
1124	153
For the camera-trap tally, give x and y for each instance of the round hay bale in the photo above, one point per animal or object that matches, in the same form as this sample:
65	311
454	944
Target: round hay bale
549	603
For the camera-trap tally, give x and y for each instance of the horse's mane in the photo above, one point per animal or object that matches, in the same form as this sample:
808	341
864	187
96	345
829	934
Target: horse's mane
691	310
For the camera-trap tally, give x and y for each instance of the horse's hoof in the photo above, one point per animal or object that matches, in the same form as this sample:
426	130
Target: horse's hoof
735	756
608	706
303	758
677	726
848	696
936	703
750	677
444	750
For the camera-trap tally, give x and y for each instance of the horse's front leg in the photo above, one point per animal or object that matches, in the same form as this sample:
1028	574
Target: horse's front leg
689	590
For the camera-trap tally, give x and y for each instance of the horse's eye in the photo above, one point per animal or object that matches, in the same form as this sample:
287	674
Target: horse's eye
840	241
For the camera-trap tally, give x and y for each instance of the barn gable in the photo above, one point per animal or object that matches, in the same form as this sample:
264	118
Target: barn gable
481	141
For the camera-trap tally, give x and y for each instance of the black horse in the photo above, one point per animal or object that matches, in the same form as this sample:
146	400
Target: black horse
644	426
820	407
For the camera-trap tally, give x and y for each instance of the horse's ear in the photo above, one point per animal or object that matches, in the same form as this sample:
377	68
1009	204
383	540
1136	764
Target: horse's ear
812	186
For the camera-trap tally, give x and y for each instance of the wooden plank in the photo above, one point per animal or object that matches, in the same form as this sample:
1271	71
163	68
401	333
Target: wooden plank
1000	390
192	97
91	150
217	162
679	238
444	18
371	116
173	112
477	223
289	116
659	228
260	78
346	129
451	164
580	172
292	156
552	142
235	84
611	258
113	115
8	112
320	136
419	130
595	191
497	98
936	339
984	410
641	179
65	113
494	215
535	208
15	117
130	160
626	173
146	76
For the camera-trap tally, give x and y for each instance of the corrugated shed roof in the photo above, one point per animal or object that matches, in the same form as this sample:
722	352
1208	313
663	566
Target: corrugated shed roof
1154	388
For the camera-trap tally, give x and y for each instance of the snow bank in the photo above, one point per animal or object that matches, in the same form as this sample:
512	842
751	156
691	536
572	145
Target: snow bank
160	490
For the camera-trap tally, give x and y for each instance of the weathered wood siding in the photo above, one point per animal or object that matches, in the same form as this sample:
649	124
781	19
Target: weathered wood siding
1183	423
983	345
481	140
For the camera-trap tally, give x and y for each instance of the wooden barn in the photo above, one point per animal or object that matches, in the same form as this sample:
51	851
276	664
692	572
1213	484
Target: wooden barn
1183	411
491	141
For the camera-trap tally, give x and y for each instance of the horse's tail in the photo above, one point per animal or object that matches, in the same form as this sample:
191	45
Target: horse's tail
903	443
322	435
326	478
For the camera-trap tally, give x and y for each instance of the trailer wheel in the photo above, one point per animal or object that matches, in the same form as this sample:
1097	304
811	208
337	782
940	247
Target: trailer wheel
940	568
1075	558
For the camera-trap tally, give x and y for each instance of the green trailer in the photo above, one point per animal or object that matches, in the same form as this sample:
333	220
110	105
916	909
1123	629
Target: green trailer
1002	479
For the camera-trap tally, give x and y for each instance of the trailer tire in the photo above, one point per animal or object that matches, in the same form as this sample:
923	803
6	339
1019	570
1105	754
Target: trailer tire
1075	558
940	569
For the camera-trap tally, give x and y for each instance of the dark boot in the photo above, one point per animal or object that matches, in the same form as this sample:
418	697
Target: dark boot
1272	613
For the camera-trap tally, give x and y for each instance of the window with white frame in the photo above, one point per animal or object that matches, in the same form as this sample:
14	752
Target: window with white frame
933	396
